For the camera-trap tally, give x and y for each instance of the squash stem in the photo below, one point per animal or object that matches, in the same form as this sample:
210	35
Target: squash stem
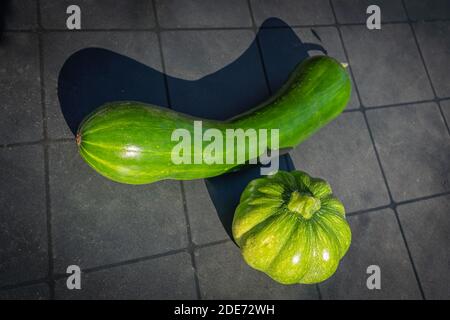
303	204
78	139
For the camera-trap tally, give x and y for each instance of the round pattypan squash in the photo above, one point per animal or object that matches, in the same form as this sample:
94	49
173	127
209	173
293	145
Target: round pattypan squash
290	226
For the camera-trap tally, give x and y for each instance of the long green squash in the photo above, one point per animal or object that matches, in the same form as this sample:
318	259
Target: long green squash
131	142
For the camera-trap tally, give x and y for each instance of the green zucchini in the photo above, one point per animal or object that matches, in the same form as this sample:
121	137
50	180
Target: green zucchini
131	142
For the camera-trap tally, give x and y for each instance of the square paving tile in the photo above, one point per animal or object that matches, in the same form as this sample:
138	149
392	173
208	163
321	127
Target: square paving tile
205	224
223	71
223	274
99	14
97	221
424	10
203	13
165	278
20	97
376	240
414	148
354	11
284	48
426	225
33	292
23	222
58	46
20	14
293	12
386	64
435	45
342	153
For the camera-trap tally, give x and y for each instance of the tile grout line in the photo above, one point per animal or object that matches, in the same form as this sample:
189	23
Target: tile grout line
319	293
258	44
157	31
129	262
437	195
402	104
392	204
399	203
36	142
410	23
50	281
213	243
191	246
57	276
24	284
115	264
33	30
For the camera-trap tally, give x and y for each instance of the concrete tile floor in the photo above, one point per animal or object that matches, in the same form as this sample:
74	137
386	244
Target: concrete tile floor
386	65
379	242
170	244
21	92
129	222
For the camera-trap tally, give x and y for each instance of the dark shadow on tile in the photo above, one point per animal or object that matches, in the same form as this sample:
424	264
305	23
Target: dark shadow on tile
281	53
225	190
4	10
93	76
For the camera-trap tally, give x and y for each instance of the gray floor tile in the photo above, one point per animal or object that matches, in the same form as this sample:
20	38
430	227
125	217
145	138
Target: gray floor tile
203	13
426	225
58	46
435	45
424	10
342	154
354	11
205	224
23	222
97	221
281	52
223	274
192	55
101	14
170	277
386	64
218	65
414	148
445	105
34	292
20	97
20	14
293	12
376	240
